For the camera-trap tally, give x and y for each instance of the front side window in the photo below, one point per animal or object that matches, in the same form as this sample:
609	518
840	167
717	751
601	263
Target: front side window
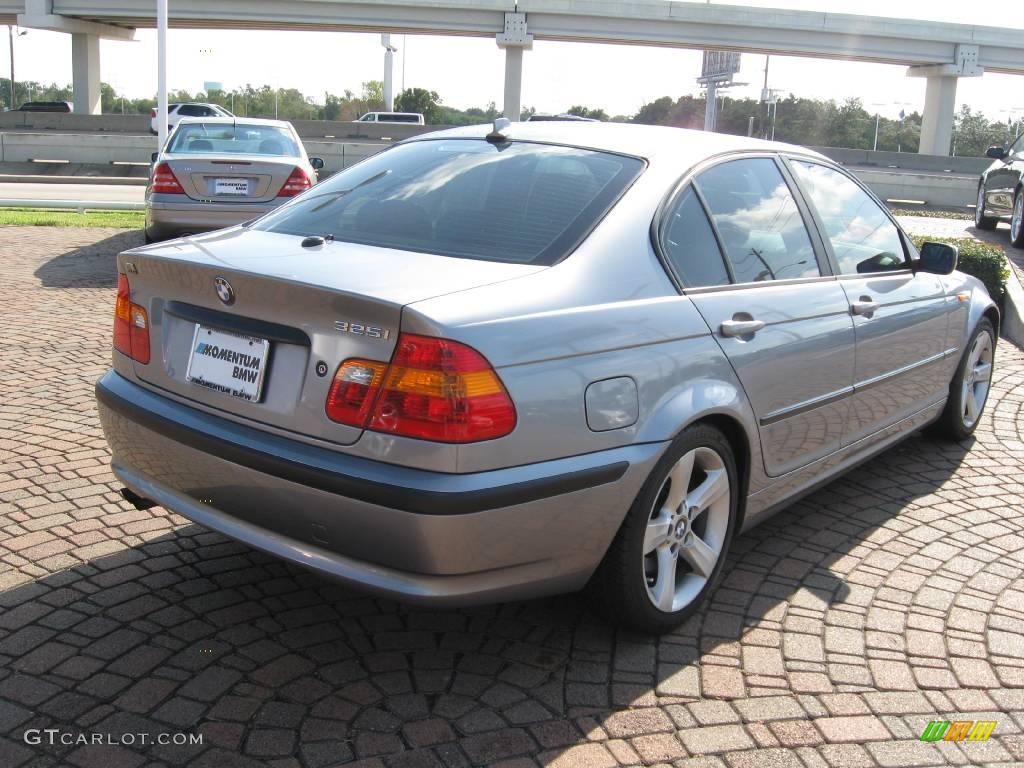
233	138
516	202
758	221
1018	146
863	237
690	246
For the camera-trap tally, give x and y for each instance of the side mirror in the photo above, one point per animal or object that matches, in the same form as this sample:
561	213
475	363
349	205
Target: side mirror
153	157
938	258
996	153
317	163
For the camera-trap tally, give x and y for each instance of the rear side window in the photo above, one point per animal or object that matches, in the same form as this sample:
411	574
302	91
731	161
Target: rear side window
758	220
863	237
516	202
690	246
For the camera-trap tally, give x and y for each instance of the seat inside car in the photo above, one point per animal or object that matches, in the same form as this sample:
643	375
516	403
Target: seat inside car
271	147
200	144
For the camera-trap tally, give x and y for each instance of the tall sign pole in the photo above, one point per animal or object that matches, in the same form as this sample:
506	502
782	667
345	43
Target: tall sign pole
716	72
161	71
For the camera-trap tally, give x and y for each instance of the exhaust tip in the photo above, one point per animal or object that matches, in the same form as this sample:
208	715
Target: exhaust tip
137	501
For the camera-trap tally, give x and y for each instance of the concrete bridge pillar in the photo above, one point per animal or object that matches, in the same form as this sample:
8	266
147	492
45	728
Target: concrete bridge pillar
85	72
940	97
937	120
515	39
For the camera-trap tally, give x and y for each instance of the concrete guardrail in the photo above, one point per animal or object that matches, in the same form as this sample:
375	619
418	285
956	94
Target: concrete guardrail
78	205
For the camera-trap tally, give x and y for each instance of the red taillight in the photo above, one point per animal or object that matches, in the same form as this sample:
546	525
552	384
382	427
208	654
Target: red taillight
131	324
433	389
297	182
152	112
165	182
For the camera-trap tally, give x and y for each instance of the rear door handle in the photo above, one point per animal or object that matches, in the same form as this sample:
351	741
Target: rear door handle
864	306
740	327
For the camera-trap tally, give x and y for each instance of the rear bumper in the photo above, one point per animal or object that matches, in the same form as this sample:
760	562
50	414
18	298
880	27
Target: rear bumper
408	533
166	219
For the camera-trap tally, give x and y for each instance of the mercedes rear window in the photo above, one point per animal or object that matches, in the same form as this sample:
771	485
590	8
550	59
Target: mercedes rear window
233	138
515	202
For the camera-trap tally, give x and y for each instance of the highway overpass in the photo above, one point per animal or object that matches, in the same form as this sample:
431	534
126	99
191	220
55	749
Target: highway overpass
939	52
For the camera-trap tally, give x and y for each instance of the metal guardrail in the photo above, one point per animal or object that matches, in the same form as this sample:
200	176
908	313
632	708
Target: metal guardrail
79	205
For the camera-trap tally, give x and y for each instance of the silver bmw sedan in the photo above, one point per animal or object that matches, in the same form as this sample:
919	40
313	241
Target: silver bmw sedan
500	362
218	171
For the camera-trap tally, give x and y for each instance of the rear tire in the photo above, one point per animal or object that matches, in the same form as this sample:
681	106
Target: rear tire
1017	220
669	553
968	392
981	221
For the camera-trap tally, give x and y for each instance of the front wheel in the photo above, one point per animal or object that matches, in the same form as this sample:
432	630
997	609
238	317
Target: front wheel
968	391
1017	221
981	221
671	548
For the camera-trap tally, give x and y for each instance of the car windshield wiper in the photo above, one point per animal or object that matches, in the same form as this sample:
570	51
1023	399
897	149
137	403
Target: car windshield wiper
339	193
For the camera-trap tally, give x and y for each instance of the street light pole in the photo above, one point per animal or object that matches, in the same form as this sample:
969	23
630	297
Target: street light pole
10	37
875	147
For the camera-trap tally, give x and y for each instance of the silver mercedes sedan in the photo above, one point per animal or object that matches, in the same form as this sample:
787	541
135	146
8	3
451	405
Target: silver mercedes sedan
218	171
494	363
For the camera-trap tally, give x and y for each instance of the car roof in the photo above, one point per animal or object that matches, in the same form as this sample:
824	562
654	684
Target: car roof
238	120
648	141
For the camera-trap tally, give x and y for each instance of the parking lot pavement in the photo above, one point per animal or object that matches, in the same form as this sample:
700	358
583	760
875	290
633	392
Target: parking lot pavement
889	599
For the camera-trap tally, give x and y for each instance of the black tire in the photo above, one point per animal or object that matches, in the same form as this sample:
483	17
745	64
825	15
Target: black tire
952	424
147	237
980	220
618	589
1017	238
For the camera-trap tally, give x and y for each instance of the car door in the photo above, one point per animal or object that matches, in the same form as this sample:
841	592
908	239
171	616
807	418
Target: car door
1002	179
780	318
900	316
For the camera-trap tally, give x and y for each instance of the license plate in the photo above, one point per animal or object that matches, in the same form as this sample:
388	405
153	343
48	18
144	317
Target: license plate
231	186
228	362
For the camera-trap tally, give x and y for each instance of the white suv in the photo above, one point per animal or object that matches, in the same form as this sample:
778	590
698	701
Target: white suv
177	111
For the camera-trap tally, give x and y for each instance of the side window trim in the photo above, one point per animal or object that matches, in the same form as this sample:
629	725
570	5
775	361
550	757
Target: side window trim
714	230
819	223
827	264
659	229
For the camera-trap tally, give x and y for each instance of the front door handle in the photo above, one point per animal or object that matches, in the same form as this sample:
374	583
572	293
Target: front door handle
740	327
864	306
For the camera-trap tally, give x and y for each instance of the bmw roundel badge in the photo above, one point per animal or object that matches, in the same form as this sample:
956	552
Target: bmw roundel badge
224	291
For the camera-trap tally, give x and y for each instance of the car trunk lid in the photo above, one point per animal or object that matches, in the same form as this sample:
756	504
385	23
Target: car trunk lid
242	179
314	308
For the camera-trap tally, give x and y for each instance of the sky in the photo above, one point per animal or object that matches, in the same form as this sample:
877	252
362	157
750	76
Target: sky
618	79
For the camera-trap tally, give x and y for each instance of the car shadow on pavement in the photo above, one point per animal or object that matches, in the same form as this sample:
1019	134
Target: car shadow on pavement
89	266
191	632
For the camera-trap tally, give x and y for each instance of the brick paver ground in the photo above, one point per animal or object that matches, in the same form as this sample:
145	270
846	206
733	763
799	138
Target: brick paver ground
843	626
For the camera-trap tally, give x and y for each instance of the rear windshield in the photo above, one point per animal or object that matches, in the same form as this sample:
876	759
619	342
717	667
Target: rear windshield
514	202
239	138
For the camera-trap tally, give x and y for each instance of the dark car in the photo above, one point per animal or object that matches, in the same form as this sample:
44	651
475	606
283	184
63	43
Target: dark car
45	106
1001	191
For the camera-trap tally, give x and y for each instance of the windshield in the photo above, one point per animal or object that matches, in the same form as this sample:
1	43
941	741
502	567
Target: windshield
514	202
237	138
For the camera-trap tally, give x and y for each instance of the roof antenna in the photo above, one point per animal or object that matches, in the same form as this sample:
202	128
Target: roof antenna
500	132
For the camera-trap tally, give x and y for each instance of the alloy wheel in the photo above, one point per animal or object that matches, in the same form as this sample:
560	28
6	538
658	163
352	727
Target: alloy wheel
686	531
977	377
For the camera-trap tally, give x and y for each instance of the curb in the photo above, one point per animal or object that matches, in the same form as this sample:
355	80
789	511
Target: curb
1013	309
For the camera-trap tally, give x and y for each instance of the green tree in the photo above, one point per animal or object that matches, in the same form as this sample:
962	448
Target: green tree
427	103
593	113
